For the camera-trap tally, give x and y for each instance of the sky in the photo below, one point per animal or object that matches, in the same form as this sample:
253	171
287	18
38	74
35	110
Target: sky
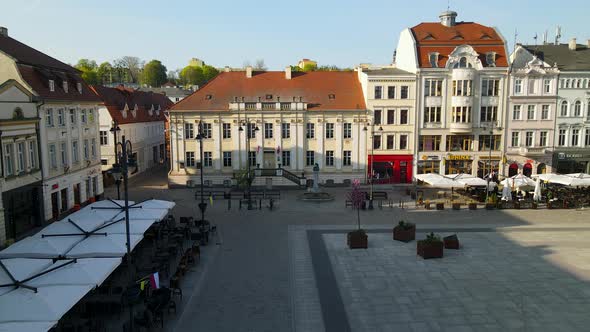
229	33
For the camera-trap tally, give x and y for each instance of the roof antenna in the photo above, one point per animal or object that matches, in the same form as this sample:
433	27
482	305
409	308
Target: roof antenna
448	5
557	35
515	37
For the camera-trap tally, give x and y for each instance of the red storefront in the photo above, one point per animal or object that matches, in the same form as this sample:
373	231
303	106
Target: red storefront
390	168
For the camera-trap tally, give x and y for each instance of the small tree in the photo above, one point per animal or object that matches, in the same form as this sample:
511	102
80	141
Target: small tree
357	197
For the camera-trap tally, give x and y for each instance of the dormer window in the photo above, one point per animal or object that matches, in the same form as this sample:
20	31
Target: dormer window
268	97
208	97
491	59
433	59
51	85
79	87
463	63
134	111
331	96
65	85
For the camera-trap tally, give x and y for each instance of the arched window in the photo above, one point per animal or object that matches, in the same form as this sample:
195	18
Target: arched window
513	169
578	83
18	114
563	108
527	169
541	168
463	62
578	108
567	84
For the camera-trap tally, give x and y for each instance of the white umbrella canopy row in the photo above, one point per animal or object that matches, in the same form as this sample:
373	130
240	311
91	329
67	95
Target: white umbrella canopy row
439	181
572	180
519	181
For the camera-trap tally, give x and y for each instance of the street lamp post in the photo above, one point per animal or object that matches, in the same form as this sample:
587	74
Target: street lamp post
202	205
372	162
489	177
121	170
115	130
249	130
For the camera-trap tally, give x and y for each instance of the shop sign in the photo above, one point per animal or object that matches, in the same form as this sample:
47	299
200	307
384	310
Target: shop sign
433	158
563	155
54	186
459	157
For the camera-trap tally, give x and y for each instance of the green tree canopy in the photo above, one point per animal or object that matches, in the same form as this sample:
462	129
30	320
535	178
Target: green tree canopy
88	69
105	73
154	74
208	73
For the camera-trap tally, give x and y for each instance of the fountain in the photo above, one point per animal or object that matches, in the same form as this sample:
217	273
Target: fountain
316	195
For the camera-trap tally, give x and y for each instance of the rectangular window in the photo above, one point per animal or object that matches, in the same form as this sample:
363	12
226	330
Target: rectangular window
376	142
310	158
49	117
189	130
378	91
545	112
206	130
433	88
329	158
73	116
515	139
390	142
79	87
516	112
346	158
531	112
528	139
490	87
86	150
587	137
51	85
459	142
32	154
226	130
285	130
462	88
286	158
104	137
391	92
8	158
484	142
517	86
91	116
405	92
268	130
190	159
251	130
377	117
575	137
488	114
207	159
93	148
83	116
403	116
65	86
461	114
252	158
390	116
547	86
429	143
403	142
432	114
329	130
64	154
310	132
543	138
61	120
52	155
227	159
347	130
532	84
561	137
75	155
20	157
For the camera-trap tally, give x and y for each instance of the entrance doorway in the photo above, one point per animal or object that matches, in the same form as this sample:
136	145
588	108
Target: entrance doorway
512	170
527	170
269	160
77	193
541	169
54	205
64	200
403	171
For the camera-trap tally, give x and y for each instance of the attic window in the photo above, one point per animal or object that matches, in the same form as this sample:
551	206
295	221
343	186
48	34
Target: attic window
331	96
457	37
18	114
66	86
51	85
208	97
485	36
433	59
79	87
491	59
124	114
428	37
268	97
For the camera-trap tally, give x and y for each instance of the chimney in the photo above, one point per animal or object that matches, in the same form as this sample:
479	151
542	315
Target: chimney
588	43
573	45
3	31
288	72
447	18
249	72
226	69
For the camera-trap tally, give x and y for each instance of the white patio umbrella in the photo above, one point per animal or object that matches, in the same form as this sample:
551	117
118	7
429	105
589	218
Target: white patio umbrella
439	181
518	181
506	193
85	271
40	247
26	326
565	180
19	269
470	180
156	204
111	245
579	175
136	226
537	193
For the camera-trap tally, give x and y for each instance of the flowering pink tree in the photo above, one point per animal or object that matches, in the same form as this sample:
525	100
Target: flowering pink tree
357	197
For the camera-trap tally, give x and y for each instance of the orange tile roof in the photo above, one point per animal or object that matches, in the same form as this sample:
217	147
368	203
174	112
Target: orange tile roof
435	37
313	87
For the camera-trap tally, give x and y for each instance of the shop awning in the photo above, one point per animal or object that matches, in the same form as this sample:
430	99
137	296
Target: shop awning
470	180
577	180
439	181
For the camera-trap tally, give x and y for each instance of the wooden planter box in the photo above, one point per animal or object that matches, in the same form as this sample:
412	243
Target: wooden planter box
472	206
357	240
92	200
456	206
535	205
427	206
451	242
430	250
517	205
440	206
404	234
490	206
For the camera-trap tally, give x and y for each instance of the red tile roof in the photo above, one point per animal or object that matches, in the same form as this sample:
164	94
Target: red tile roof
435	37
37	68
115	100
315	89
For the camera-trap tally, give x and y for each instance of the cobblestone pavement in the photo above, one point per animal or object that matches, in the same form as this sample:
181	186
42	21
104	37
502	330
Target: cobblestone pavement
512	270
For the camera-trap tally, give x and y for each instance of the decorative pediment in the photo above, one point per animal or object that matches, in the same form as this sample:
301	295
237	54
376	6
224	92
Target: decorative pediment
464	56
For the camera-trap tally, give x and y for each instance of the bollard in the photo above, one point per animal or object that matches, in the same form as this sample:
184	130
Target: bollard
259	204
240	204
229	204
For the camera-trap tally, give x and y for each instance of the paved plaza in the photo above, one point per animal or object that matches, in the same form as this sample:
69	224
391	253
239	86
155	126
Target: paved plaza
290	270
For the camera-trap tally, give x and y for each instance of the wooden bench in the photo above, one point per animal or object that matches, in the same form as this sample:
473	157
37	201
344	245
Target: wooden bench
215	194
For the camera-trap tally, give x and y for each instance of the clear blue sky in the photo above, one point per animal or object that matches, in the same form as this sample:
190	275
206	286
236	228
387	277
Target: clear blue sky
225	32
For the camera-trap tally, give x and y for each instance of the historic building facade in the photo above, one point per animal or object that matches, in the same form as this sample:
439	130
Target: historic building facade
531	113
462	78
285	121
68	125
390	95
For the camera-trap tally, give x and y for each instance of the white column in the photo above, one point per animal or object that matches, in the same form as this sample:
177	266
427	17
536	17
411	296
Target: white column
217	154
319	151
237	147
301	145
338	137
260	144
278	141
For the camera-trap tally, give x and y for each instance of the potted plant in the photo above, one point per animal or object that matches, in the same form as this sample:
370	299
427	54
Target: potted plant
427	204
358	238
440	206
451	242
456	206
404	231
472	206
431	247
